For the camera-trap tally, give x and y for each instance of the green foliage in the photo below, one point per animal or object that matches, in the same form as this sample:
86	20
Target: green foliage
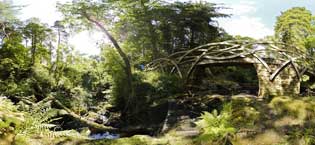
42	79
37	123
79	100
304	136
38	82
149	87
18	76
162	84
9	117
299	108
146	26
84	82
309	136
216	128
310	47
152	89
37	34
13	49
151	25
114	67
246	113
7	11
302	113
293	26
13	61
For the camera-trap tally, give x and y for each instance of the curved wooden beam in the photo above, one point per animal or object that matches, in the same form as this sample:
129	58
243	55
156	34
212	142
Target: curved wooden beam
227	57
194	65
296	69
262	62
172	62
276	73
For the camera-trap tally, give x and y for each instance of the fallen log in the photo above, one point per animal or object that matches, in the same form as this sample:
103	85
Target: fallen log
70	113
84	120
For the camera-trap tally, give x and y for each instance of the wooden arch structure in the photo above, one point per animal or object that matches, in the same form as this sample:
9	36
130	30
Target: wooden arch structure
278	66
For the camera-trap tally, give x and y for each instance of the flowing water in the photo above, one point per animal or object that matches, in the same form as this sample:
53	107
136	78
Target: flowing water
104	135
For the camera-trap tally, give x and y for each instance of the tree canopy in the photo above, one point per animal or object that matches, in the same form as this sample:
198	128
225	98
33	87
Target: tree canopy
293	26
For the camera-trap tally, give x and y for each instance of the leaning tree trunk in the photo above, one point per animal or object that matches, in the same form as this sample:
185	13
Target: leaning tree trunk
122	54
85	121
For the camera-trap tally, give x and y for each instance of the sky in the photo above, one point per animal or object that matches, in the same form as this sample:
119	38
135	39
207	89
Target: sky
253	18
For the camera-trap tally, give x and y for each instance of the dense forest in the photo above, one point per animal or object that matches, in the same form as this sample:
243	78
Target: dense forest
134	93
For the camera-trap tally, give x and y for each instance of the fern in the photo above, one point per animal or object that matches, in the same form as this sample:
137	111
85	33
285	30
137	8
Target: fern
38	123
216	127
9	116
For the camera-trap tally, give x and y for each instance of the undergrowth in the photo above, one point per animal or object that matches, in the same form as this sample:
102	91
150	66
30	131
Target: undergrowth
22	128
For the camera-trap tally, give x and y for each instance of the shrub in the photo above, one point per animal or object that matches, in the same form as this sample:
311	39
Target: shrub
216	128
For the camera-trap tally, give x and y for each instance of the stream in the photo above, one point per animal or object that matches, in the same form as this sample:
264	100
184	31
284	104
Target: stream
104	135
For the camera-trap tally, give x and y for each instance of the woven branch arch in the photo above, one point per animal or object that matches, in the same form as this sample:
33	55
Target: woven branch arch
264	53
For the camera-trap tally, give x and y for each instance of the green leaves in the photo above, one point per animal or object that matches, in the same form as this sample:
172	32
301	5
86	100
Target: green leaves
216	127
74	12
154	28
9	117
293	26
37	34
7	11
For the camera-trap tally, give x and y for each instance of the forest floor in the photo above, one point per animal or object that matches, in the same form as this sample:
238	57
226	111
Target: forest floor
280	120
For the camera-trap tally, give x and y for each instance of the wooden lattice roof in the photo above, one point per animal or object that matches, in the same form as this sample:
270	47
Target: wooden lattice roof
229	52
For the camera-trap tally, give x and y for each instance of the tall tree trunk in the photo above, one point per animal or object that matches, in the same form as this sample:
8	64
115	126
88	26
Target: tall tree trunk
152	32
153	39
59	58
33	49
192	38
122	54
50	57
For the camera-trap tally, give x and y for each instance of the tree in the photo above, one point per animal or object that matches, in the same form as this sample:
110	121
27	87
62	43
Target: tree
154	27
13	54
7	19
97	13
37	33
293	26
7	11
62	47
310	45
192	24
